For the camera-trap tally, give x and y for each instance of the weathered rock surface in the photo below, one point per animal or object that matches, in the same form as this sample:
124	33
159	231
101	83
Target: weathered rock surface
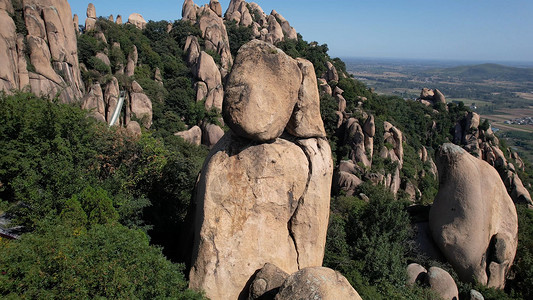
9	78
94	102
316	283
137	20
134	128
267	282
275	32
331	73
90	21
475	295
7	6
52	43
207	71
211	134
306	121
431	97
416	274
140	105
347	182
261	198
188	11
261	91
473	220
442	283
216	7
111	96
253	204
193	135
215	35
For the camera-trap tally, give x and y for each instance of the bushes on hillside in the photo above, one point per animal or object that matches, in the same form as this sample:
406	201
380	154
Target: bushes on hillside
71	181
61	262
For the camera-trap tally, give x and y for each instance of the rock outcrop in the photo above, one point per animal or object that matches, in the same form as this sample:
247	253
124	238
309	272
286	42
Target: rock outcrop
140	105
90	21
430	97
9	60
193	135
137	20
94	102
482	143
52	43
442	283
208	73
317	283
473	220
260	200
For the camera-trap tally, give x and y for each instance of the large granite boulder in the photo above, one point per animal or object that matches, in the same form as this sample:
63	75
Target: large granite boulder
317	283
473	220
442	283
257	204
188	11
94	102
261	91
140	105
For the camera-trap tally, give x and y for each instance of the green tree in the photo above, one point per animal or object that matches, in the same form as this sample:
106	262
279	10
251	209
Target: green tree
57	262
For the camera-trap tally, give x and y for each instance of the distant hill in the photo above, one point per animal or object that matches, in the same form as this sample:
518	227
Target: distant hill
486	72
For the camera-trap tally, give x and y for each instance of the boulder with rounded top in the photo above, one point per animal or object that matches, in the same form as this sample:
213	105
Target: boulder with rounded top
261	91
317	283
471	214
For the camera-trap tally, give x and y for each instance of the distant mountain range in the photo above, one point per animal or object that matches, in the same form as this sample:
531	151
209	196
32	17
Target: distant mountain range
487	71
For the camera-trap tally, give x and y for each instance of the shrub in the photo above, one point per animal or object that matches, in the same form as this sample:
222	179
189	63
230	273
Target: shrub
57	262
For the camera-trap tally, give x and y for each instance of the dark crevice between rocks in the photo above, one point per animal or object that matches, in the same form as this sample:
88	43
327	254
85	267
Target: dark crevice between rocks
489	255
302	198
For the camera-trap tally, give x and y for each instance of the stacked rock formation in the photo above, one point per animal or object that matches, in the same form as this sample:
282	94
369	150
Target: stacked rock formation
53	58
263	195
359	136
102	98
482	143
430	97
90	22
271	28
473	220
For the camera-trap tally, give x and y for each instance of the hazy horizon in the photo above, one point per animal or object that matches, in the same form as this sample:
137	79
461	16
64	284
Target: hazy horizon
476	30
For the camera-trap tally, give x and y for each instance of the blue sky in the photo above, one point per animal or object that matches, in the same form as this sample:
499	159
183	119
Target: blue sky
480	30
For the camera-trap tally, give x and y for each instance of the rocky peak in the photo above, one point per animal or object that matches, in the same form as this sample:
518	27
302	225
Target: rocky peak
430	97
52	48
259	185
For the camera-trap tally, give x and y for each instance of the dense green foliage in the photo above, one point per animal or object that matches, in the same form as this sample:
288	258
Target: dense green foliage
71	182
368	243
238	36
61	262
